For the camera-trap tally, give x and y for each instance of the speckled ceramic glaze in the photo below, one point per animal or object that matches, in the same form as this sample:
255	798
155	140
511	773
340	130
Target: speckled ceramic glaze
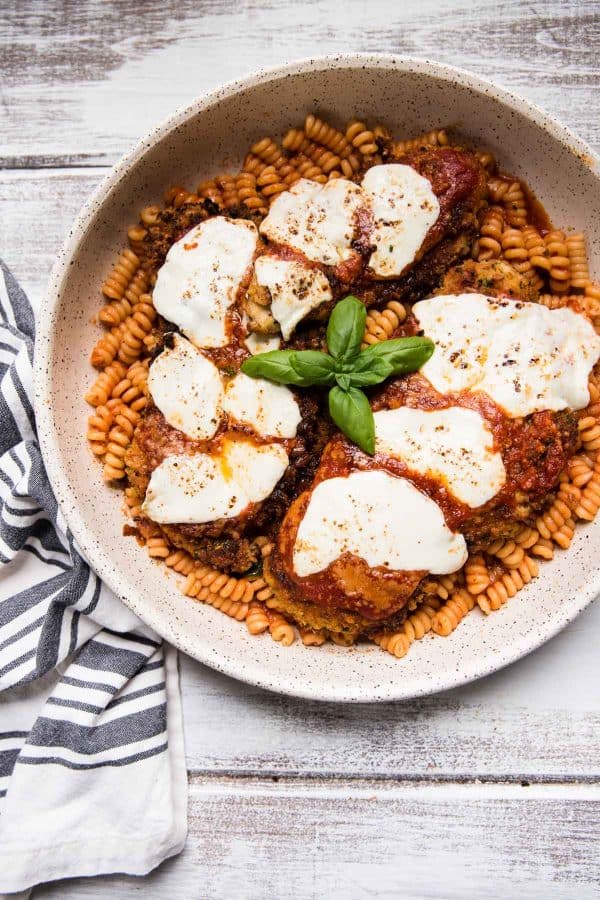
214	133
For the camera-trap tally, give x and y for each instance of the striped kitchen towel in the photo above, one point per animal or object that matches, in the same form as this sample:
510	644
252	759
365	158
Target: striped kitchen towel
92	766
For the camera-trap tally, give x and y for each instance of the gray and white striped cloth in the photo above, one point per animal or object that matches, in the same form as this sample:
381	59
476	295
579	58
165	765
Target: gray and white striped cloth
92	765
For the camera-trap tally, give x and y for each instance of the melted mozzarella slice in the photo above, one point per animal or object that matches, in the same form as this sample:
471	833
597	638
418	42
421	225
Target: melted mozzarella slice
187	388
203	487
404	209
525	356
317	219
262	343
269	408
454	446
201	277
295	289
382	519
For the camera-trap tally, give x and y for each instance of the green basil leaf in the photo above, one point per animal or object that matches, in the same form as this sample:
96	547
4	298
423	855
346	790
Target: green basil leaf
346	328
276	366
343	380
378	371
352	413
313	366
401	355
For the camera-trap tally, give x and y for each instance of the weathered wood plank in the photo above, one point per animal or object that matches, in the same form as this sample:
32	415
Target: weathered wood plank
538	719
38	208
82	81
338	840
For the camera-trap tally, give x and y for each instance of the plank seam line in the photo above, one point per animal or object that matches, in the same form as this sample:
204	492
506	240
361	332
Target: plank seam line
275	776
29	164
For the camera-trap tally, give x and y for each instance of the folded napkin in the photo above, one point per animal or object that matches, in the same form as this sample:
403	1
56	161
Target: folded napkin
92	765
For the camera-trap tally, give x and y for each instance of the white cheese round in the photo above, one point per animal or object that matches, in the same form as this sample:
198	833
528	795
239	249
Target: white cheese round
202	487
187	388
317	219
404	208
525	356
201	277
269	408
380	518
295	289
453	446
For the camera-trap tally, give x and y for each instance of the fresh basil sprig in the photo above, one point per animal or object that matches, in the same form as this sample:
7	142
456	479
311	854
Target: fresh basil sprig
345	368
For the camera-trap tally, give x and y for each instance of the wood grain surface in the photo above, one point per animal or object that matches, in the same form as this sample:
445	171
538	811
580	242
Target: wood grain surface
492	790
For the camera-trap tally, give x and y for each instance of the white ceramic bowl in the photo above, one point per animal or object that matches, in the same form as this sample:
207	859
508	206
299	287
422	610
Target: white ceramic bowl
410	96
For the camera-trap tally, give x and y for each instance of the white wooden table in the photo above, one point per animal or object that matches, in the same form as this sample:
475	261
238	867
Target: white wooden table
488	791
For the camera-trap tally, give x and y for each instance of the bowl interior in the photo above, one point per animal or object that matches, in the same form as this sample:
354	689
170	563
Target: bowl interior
212	136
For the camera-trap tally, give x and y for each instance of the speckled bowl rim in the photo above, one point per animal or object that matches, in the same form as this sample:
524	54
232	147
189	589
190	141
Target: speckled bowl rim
476	667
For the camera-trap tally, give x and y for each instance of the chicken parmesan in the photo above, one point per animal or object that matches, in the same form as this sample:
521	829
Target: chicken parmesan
352	391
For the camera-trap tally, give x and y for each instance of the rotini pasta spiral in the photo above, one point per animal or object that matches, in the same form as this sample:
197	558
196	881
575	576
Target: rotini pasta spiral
512	198
257	620
589	433
476	574
157	547
319	131
119	439
556	523
592	300
135	328
210	190
125	268
452	612
492	227
361	138
116	311
99	425
269	152
536	248
560	265
306	168
434	138
380	325
416	626
270	183
580	274
515	252
311	638
180	561
507	585
104	385
280	629
247	192
580	469
553	301
590	496
509	552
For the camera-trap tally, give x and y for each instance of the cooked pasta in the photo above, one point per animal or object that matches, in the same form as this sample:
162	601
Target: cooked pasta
453	612
536	248
280	629
437	138
257	619
491	230
507	585
477	575
510	237
576	252
560	264
416	626
361	138
510	195
380	325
